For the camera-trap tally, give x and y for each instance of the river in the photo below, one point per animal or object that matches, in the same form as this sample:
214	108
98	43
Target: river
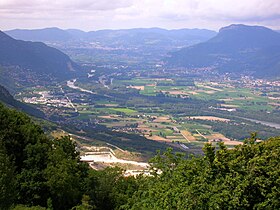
71	84
270	124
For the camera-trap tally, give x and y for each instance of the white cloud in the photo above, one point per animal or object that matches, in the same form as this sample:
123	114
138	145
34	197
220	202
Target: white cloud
96	14
64	4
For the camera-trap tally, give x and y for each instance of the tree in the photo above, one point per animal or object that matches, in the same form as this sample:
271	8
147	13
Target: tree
7	180
64	174
246	177
85	204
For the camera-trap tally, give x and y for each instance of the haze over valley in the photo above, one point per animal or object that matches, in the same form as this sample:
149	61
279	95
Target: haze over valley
148	83
101	103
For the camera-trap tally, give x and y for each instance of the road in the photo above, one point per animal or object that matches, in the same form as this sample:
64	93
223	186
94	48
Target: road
106	157
69	100
185	137
200	134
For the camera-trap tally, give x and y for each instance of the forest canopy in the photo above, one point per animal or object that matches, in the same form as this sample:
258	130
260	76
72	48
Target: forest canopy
37	172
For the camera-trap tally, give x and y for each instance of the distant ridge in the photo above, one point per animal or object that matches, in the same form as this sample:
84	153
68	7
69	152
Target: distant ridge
46	34
35	56
236	48
130	35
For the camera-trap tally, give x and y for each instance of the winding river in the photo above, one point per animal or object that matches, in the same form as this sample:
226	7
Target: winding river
71	84
270	124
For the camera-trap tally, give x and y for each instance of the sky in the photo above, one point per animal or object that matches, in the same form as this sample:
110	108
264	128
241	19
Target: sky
91	15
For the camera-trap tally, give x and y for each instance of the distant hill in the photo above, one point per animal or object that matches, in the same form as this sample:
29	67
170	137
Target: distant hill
35	56
41	35
8	99
138	35
152	35
236	48
117	46
76	33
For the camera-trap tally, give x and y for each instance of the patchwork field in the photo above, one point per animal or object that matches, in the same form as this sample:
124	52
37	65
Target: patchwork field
230	97
197	111
188	136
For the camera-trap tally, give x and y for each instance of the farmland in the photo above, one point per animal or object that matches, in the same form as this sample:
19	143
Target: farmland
175	110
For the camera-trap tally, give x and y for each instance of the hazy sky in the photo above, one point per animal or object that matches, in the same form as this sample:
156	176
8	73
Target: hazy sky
102	14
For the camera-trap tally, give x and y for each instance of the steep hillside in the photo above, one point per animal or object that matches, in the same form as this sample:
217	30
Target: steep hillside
236	48
35	56
8	99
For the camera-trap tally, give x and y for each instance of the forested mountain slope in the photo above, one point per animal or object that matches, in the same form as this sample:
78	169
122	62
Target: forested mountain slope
35	56
236	48
8	99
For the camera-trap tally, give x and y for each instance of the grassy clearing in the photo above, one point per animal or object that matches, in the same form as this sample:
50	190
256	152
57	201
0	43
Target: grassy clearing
149	91
59	133
136	82
124	110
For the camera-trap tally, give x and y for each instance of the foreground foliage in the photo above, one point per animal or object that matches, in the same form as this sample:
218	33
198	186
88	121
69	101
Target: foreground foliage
37	172
247	177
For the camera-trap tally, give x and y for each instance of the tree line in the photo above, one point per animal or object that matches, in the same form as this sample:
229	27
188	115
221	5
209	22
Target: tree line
37	172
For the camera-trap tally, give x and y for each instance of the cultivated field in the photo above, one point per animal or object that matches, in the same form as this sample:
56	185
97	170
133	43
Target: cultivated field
211	118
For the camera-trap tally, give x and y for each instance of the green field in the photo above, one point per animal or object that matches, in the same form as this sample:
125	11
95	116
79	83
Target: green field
159	108
124	110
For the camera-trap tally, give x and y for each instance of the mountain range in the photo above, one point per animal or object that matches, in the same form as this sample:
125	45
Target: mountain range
35	56
236	48
125	36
